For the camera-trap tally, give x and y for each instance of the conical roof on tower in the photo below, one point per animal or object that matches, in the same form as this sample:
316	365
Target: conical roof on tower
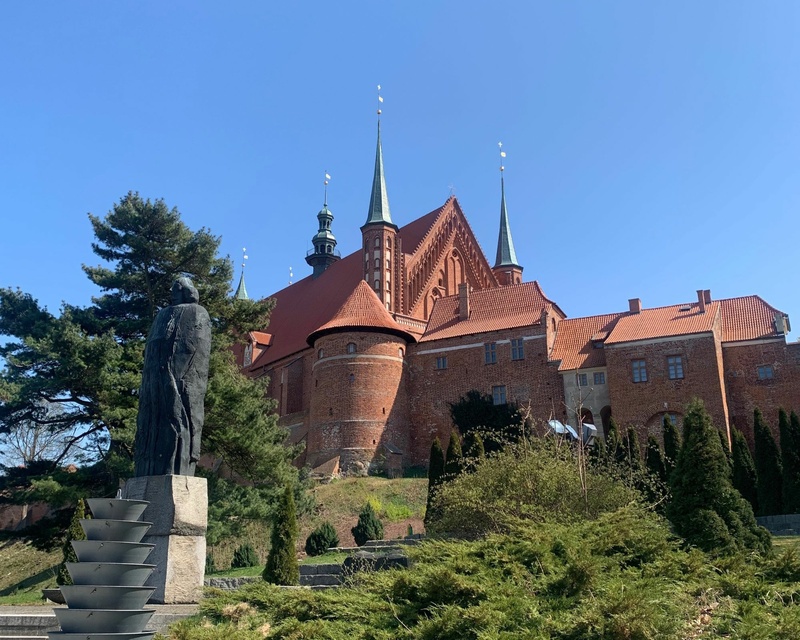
241	290
379	200
506	256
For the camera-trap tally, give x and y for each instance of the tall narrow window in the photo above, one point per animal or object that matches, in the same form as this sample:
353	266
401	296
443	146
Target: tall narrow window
351	347
441	362
517	352
582	379
675	367
490	353
639	371
499	394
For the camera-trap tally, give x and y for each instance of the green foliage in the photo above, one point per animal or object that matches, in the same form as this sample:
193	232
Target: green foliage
538	481
321	539
790	461
244	556
75	532
88	362
211	566
768	468
454	463
614	448
368	527
706	510
435	474
497	424
473	447
282	567
631	450
655	460
672	444
744	469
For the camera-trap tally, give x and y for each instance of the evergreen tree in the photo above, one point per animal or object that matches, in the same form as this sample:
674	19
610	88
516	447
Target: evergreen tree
598	454
672	444
790	460
75	532
368	527
655	460
768	468
282	567
473	446
744	469
454	463
244	556
614	448
706	510
633	454
435	476
321	539
498	424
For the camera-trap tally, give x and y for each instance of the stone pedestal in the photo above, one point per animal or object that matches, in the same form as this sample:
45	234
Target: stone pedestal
179	512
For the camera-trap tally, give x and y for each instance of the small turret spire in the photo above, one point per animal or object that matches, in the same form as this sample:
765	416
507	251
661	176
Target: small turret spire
241	290
324	253
506	268
379	200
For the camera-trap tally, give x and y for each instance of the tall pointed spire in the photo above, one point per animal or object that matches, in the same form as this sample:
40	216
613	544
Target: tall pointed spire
506	267
379	200
241	290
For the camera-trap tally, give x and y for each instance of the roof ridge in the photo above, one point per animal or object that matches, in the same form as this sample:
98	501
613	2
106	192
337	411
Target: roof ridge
430	229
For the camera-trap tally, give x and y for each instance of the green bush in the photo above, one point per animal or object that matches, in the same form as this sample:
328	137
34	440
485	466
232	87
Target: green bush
368	527
75	532
244	556
282	567
767	459
211	566
321	539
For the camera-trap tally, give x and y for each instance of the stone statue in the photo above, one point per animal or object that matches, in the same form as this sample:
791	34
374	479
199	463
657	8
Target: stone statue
174	381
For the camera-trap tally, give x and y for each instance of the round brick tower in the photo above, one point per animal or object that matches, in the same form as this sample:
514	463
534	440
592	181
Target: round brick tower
359	408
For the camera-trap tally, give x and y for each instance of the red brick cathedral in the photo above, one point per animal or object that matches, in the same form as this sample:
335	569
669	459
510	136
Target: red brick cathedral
365	354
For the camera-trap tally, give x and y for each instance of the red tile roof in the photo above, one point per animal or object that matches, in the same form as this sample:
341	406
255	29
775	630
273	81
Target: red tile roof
362	310
490	309
308	304
574	338
747	318
663	322
261	338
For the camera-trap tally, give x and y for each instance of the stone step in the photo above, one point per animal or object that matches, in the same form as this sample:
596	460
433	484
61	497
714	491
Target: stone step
314	569
321	579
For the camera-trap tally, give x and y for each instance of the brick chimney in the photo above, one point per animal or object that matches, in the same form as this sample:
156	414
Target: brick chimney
463	301
701	300
635	305
707	296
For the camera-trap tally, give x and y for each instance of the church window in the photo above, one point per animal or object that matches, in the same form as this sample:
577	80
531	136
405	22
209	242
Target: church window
639	370
377	263
351	347
499	394
675	367
441	362
388	243
490	353
765	372
517	350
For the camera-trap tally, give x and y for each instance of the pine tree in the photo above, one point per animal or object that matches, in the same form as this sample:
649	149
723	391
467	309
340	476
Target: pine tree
744	469
454	463
75	532
768	468
655	460
790	460
706	510
321	539
282	567
672	444
368	527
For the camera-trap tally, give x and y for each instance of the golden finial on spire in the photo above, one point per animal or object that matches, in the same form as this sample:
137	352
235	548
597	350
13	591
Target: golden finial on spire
380	100
325	182
502	155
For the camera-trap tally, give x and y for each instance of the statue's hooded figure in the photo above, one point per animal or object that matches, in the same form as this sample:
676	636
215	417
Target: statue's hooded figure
174	381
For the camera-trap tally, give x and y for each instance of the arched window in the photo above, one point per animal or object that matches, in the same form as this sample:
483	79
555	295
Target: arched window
377	242
351	347
321	354
388	243
400	352
377	285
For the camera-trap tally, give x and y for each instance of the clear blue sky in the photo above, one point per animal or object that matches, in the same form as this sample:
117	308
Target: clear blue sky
653	148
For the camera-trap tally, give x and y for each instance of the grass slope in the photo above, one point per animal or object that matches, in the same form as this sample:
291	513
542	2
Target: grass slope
25	571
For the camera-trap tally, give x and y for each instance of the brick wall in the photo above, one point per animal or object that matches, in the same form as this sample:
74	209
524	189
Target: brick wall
431	390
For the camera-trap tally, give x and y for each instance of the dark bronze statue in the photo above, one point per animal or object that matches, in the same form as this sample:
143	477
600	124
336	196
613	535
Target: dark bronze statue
174	381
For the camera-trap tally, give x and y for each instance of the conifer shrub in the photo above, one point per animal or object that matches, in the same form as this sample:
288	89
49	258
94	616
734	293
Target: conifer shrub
744	469
321	539
672	444
454	462
435	476
282	567
74	532
211	566
705	509
473	448
790	461
369	527
655	460
768	468
244	556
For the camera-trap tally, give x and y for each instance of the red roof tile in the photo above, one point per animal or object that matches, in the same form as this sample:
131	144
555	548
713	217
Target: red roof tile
308	304
574	338
490	309
362	310
747	318
663	322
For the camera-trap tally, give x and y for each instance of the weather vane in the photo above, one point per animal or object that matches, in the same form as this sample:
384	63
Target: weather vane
325	182
244	257
380	100
291	275
502	155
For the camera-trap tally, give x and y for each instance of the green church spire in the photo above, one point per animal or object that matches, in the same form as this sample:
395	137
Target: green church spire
506	256
241	290
379	200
